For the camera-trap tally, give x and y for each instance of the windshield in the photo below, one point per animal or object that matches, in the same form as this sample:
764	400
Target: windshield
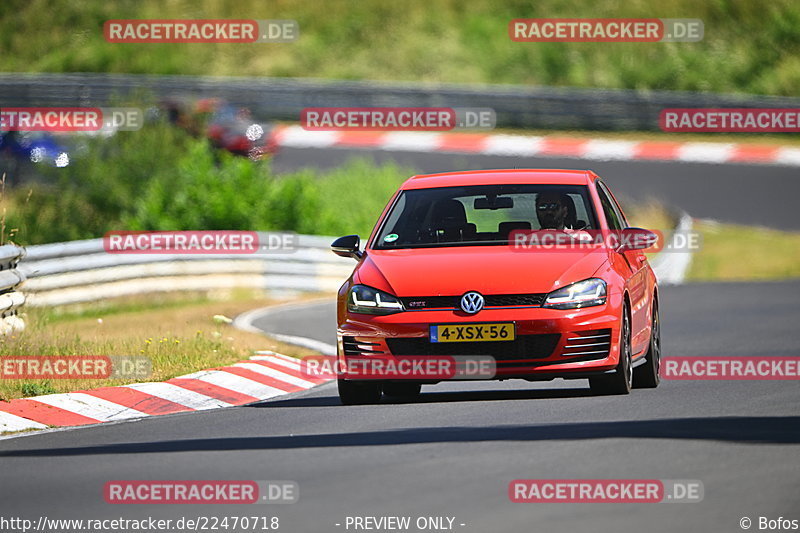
482	214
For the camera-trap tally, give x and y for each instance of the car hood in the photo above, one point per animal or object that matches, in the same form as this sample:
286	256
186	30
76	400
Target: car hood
486	269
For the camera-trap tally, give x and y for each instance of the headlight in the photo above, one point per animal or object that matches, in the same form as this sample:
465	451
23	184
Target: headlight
584	293
363	299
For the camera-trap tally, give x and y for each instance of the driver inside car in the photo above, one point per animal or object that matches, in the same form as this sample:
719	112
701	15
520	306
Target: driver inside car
552	210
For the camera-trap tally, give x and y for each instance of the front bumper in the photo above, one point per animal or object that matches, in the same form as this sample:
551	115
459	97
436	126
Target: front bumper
549	343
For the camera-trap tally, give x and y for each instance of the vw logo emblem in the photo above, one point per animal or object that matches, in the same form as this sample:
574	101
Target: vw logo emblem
472	302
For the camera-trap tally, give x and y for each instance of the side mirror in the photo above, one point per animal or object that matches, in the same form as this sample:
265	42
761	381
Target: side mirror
347	246
637	239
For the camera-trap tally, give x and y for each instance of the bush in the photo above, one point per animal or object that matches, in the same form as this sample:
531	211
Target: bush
160	179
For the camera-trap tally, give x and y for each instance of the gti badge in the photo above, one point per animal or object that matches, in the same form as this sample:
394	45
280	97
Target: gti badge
472	302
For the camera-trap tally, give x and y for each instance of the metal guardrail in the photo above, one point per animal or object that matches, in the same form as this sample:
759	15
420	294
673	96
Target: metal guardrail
82	271
10	279
284	98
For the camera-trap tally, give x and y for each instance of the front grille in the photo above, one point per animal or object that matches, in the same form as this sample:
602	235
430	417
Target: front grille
503	300
588	345
353	347
491	300
523	347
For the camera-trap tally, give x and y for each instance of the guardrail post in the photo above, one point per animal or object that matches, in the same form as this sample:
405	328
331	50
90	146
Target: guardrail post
10	298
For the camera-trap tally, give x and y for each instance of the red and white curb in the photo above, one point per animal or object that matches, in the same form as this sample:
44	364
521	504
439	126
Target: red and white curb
547	146
261	377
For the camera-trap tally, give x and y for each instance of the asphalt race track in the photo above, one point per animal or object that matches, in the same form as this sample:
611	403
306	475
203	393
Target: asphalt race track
764	195
455	452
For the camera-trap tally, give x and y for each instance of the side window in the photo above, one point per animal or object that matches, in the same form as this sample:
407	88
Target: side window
617	208
580	218
612	216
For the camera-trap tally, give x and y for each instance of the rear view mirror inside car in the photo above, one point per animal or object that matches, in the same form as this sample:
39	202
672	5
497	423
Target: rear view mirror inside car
494	202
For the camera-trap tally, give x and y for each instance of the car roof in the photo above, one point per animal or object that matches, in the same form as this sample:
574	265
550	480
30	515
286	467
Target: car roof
499	177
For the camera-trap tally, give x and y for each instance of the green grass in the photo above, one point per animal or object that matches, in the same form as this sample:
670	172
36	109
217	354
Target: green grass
750	46
731	252
177	339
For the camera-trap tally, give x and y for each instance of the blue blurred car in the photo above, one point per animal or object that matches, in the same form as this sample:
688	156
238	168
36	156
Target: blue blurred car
35	147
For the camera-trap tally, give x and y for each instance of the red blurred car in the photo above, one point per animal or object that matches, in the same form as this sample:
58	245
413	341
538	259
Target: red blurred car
228	127
441	275
233	129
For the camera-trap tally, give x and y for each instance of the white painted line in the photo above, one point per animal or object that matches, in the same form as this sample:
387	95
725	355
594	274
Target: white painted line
277	374
9	422
235	383
671	267
246	319
604	150
410	141
297	137
788	156
318	346
90	406
706	152
518	145
179	395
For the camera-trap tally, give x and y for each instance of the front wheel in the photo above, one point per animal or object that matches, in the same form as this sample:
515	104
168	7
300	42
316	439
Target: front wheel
621	381
359	393
647	376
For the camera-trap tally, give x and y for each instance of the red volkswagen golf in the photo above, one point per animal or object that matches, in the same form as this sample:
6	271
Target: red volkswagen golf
459	265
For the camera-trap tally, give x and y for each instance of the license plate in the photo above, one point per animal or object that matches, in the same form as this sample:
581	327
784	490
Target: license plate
473	332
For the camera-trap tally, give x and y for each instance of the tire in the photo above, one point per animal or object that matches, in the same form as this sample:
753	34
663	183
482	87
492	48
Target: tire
359	393
647	375
621	381
403	391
